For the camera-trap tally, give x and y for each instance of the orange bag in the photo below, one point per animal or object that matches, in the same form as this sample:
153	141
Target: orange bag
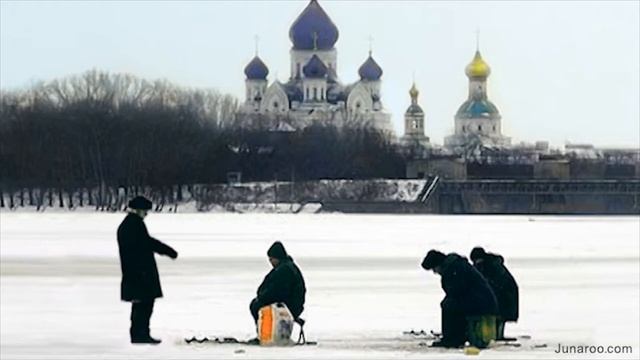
275	325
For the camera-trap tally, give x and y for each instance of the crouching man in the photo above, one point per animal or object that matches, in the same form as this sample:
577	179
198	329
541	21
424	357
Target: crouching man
284	284
504	286
140	280
469	307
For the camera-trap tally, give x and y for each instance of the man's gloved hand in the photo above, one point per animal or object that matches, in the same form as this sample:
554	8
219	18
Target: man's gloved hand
173	254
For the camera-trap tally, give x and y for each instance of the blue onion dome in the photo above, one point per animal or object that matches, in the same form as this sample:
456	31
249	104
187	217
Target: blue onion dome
477	108
256	69
370	70
313	29
315	68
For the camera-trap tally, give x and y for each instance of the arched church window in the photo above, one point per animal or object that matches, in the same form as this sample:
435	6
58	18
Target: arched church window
275	105
298	70
464	129
480	128
315	93
494	128
307	91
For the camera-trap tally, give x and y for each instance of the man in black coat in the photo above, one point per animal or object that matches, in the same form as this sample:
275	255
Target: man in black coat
284	283
140	280
504	286
468	298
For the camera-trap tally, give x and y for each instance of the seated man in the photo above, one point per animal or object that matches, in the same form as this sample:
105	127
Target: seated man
504	286
469	306
284	283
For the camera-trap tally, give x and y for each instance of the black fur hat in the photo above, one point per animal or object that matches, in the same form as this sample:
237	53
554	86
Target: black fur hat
433	259
277	251
140	203
477	253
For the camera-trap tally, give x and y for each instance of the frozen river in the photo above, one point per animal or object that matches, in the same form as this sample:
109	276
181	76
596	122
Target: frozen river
578	277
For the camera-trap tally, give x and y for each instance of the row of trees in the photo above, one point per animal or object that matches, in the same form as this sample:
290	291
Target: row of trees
117	130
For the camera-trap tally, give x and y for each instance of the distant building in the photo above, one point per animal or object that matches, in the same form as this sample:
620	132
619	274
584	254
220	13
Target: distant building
414	122
313	91
478	120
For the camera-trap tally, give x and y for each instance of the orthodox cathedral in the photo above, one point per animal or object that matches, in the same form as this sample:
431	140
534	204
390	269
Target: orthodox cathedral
476	149
313	91
477	121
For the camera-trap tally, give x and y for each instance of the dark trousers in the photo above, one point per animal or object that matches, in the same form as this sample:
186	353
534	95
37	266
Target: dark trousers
254	307
458	328
140	316
454	327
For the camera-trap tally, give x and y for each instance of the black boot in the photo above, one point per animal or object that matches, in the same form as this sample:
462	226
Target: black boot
144	339
139	331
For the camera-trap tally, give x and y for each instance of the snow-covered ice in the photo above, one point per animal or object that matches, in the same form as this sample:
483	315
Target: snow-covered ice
578	277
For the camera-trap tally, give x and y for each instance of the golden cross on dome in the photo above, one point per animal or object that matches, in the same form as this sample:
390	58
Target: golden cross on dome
370	44
477	39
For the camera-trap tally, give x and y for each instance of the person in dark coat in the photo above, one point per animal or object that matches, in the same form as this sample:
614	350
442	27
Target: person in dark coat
468	299
504	286
140	280
284	283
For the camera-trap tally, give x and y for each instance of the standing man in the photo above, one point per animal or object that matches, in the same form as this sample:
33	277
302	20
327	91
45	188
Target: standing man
140	280
469	306
284	283
504	286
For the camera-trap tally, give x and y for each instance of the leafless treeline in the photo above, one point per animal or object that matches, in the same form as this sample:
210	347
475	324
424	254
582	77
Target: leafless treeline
113	131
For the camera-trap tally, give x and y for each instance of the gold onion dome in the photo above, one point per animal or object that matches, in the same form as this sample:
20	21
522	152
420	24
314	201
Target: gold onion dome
414	108
413	92
478	68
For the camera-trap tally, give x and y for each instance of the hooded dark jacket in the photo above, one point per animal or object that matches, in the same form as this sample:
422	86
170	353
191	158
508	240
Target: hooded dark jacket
140	279
467	291
502	283
284	283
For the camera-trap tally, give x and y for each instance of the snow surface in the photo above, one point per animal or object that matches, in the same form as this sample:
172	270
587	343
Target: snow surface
578	276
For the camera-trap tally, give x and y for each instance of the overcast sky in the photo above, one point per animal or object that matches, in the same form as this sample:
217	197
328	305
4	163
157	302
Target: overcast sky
561	71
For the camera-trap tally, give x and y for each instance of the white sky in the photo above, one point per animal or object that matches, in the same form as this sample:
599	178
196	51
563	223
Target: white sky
561	71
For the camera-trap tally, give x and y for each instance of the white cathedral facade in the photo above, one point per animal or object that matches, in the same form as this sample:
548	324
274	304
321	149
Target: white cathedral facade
313	91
